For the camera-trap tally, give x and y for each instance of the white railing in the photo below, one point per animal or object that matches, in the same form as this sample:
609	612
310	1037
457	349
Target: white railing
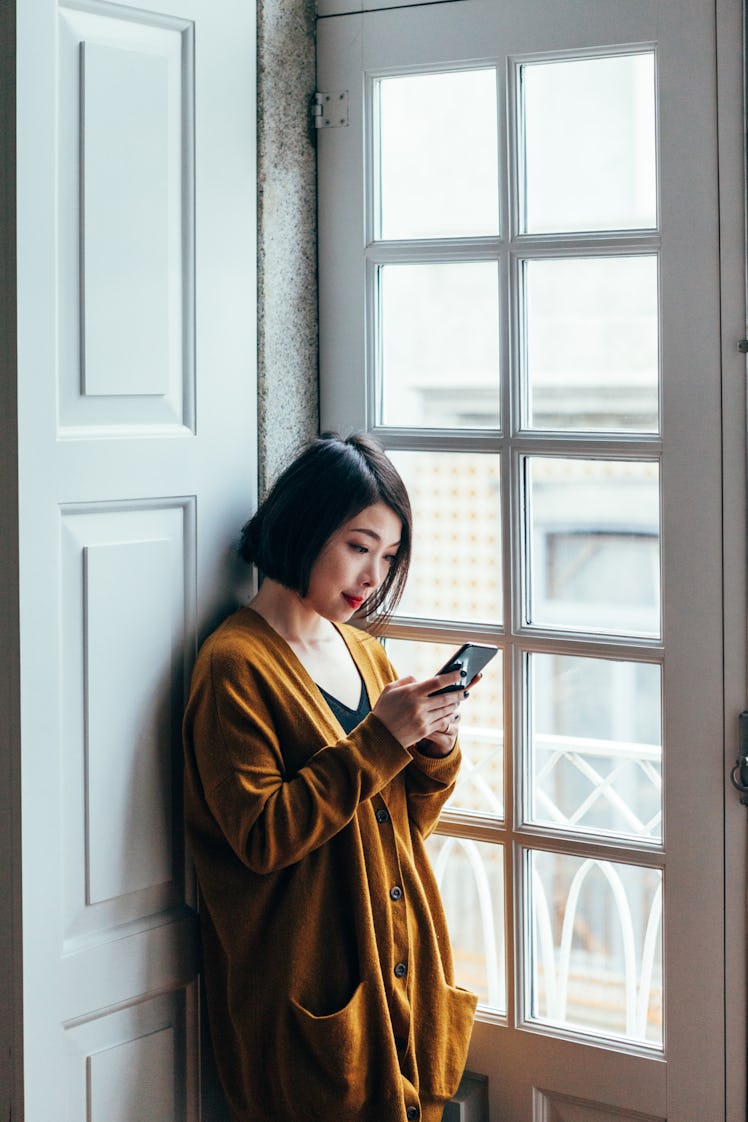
491	932
580	752
481	776
636	983
554	957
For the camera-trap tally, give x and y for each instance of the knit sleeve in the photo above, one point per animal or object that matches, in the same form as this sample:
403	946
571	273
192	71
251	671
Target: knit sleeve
429	783
429	780
271	819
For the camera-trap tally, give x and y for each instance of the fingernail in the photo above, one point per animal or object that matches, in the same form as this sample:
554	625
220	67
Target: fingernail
463	673
465	694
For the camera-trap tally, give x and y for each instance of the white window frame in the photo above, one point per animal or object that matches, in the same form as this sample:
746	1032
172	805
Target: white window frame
732	239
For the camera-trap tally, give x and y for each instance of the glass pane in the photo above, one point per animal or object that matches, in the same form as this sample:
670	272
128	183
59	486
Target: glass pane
594	552
470	875
455	573
595	745
439	345
438	155
591	343
595	946
588	127
480	786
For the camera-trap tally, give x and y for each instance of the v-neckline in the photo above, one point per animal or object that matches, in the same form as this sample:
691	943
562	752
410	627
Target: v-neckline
354	710
363	670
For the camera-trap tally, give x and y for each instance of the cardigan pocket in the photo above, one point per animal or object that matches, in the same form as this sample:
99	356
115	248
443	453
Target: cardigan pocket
334	1051
443	1040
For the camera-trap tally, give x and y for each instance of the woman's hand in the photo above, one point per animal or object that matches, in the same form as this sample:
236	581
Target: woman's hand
440	743
412	714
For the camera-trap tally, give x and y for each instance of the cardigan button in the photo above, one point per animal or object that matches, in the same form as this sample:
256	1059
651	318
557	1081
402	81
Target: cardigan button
411	1112
382	816
396	892
401	970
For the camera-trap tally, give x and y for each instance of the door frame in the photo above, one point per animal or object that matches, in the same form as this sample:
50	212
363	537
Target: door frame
731	141
11	1035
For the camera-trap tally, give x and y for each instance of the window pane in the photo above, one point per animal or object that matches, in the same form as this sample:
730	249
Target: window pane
595	955
480	785
593	561
438	155
455	574
588	133
591	343
595	745
439	340
470	875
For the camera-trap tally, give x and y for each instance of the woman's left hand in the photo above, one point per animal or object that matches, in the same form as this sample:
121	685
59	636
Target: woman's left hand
438	744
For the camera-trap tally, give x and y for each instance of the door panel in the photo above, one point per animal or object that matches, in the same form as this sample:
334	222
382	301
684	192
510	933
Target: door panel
104	1054
122	683
137	467
126	113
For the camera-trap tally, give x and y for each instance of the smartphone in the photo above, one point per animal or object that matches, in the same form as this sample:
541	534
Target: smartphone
471	657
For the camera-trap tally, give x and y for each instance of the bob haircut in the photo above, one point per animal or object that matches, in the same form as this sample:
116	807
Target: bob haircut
322	489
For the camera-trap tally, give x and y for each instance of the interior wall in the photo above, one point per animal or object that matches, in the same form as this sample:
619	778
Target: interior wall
288	396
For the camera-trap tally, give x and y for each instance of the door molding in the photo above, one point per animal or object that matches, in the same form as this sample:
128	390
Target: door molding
731	140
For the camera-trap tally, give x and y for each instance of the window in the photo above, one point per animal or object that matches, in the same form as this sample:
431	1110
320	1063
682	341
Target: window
535	341
485	339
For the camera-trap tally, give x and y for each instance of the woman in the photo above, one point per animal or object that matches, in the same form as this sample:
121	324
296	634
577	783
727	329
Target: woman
313	777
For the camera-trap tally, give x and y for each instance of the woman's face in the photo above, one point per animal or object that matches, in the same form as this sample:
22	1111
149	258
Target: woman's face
353	562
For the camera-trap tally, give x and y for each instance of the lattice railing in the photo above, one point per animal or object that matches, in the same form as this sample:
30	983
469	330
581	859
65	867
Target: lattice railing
579	977
634	770
625	777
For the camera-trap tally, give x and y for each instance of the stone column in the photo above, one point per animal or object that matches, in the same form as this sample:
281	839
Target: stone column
288	396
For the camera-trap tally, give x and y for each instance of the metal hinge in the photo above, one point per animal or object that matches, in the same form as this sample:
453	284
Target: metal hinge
330	110
743	346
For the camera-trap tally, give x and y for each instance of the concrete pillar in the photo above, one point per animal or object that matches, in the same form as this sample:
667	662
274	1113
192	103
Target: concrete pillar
288	405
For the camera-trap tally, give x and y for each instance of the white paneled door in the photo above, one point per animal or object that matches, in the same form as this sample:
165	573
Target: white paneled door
530	290
136	339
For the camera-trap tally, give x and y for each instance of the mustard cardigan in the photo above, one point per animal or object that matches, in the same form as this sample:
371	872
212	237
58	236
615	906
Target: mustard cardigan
326	956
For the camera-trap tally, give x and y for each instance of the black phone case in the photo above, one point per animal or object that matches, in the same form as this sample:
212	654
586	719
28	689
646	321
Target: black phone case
471	657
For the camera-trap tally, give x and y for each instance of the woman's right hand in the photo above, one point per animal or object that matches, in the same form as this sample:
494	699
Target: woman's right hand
411	713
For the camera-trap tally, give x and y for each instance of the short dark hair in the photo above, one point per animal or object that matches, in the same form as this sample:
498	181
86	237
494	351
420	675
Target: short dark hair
323	488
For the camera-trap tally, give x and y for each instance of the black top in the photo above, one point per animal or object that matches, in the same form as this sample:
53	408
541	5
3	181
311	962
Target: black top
349	718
